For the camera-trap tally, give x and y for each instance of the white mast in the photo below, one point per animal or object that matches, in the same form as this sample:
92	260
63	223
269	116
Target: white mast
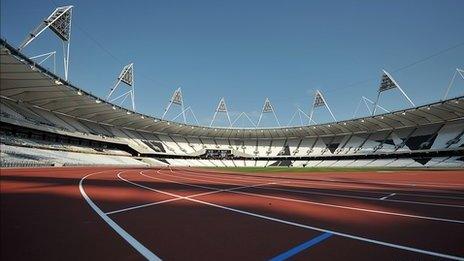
366	101
301	115
458	71
46	55
246	116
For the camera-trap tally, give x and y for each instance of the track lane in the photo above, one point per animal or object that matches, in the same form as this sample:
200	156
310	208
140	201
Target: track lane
71	228
455	211
340	180
145	252
188	230
44	217
234	225
408	196
224	202
110	194
393	177
452	213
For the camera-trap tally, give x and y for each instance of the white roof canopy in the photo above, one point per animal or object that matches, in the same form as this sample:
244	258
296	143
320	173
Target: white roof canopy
22	80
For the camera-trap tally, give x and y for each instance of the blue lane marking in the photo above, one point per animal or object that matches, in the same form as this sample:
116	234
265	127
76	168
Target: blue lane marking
302	247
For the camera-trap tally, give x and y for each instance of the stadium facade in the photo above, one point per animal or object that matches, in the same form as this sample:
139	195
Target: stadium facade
48	121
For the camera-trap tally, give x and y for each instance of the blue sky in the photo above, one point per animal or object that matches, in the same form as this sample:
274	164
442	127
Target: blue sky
249	50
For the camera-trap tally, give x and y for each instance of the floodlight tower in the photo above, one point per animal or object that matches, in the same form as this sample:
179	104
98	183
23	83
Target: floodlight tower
221	108
387	83
319	101
127	77
176	99
59	21
267	108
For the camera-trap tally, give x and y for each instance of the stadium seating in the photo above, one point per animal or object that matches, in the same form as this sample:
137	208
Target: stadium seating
71	126
25	156
256	152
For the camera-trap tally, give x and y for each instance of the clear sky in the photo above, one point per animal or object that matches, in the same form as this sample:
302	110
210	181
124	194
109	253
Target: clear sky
249	50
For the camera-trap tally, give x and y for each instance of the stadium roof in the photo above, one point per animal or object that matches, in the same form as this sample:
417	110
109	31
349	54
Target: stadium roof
23	80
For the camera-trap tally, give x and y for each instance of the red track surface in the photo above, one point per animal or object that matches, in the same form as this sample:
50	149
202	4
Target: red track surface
206	215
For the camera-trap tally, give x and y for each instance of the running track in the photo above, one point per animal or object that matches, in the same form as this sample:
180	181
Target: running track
200	214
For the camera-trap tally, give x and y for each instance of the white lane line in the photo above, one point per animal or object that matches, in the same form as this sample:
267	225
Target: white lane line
403	247
328	194
251	178
430	196
141	206
379	182
388	196
423	188
308	182
369	198
343	186
215	191
145	252
277	189
420	184
327	204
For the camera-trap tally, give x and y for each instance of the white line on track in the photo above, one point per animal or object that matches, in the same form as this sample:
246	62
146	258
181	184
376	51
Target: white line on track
141	206
260	178
145	252
421	185
330	182
403	247
368	198
430	196
326	204
378	182
386	198
215	191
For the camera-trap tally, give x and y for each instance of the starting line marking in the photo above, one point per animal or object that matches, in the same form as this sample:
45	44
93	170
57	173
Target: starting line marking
301	247
412	249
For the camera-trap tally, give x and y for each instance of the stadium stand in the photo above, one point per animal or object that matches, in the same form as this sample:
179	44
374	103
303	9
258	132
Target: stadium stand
25	156
72	127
